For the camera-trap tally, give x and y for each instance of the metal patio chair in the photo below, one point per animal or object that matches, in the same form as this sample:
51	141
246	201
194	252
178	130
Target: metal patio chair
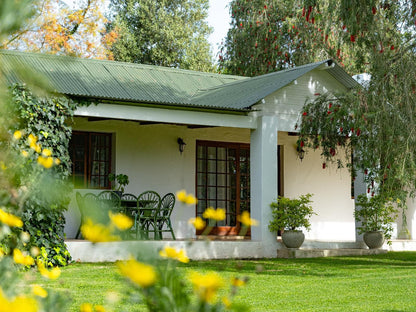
163	220
148	204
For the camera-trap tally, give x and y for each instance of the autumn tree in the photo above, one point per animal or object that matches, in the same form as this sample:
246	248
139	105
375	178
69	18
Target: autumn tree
59	29
169	33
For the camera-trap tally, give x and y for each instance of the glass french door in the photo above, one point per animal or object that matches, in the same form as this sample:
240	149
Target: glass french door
223	181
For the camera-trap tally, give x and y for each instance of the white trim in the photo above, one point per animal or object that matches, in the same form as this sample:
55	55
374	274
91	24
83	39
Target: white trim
139	113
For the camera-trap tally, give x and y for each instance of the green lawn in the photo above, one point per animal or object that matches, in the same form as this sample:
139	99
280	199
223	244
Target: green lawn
374	283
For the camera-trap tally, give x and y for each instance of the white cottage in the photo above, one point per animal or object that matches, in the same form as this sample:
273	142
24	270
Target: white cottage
239	133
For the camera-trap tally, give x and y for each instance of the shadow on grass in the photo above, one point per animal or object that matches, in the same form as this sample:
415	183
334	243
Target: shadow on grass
326	267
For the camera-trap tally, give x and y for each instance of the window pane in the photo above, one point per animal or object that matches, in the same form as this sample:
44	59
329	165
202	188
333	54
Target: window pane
212	177
212	166
201	151
212	152
222	153
222	166
212	193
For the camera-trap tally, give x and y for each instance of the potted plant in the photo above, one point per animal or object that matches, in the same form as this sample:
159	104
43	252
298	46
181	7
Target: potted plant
376	216
290	215
121	179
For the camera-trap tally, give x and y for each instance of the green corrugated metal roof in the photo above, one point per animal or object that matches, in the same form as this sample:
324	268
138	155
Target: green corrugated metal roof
136	83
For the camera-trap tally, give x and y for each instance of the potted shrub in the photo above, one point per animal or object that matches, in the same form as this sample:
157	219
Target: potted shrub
376	216
290	216
121	180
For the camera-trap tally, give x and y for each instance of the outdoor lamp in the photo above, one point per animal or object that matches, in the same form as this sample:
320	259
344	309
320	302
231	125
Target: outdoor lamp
301	152
181	144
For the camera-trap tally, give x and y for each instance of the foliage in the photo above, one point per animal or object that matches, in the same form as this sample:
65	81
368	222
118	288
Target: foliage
376	214
291	214
164	33
122	181
266	36
59	29
47	193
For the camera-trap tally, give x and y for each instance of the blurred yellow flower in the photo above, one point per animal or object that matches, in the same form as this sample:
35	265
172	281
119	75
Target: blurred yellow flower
246	220
214	214
39	291
139	273
20	258
206	285
197	222
17	135
57	161
46	162
97	233
3	165
32	139
49	274
120	221
25	153
85	307
238	282
46	152
226	302
36	147
99	308
10	219
173	253
188	199
22	304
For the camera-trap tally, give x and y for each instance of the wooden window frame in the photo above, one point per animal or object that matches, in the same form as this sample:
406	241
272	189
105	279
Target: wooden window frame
88	160
225	230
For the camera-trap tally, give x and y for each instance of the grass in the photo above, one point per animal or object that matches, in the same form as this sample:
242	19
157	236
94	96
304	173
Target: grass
371	283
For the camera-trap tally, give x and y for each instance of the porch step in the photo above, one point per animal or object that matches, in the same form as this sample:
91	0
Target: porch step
293	253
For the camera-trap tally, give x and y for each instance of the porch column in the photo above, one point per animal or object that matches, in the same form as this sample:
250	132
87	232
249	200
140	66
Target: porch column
263	189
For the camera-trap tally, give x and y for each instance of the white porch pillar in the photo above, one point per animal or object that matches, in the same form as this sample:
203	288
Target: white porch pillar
263	163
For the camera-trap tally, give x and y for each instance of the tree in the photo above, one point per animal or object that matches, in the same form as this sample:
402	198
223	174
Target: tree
264	37
376	123
169	33
58	29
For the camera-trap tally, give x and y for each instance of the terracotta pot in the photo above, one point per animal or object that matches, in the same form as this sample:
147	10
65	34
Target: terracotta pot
374	239
293	239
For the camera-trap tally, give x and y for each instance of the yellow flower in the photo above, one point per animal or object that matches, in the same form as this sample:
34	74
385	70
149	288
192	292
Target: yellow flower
181	196
57	161
97	233
52	274
188	199
237	282
246	220
10	219
197	222
35	146
121	221
46	162
86	307
25	154
20	258
3	165
191	199
206	285
46	152
170	252
17	135
23	303
215	214
32	139
398	200
139	273
226	302
39	291
99	308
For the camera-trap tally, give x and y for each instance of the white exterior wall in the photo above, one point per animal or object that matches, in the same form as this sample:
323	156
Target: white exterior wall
149	155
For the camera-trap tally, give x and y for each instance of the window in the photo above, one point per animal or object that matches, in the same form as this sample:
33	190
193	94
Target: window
90	154
223	181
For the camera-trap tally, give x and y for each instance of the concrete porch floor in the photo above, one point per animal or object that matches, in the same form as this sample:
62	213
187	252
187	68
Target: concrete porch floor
85	251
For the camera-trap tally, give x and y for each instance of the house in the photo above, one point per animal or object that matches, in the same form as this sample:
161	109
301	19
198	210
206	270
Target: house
239	133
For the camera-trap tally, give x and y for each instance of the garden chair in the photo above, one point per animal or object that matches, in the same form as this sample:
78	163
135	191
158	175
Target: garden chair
129	207
88	206
163	220
148	204
109	200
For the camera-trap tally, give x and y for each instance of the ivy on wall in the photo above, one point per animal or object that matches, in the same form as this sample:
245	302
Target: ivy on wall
41	169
